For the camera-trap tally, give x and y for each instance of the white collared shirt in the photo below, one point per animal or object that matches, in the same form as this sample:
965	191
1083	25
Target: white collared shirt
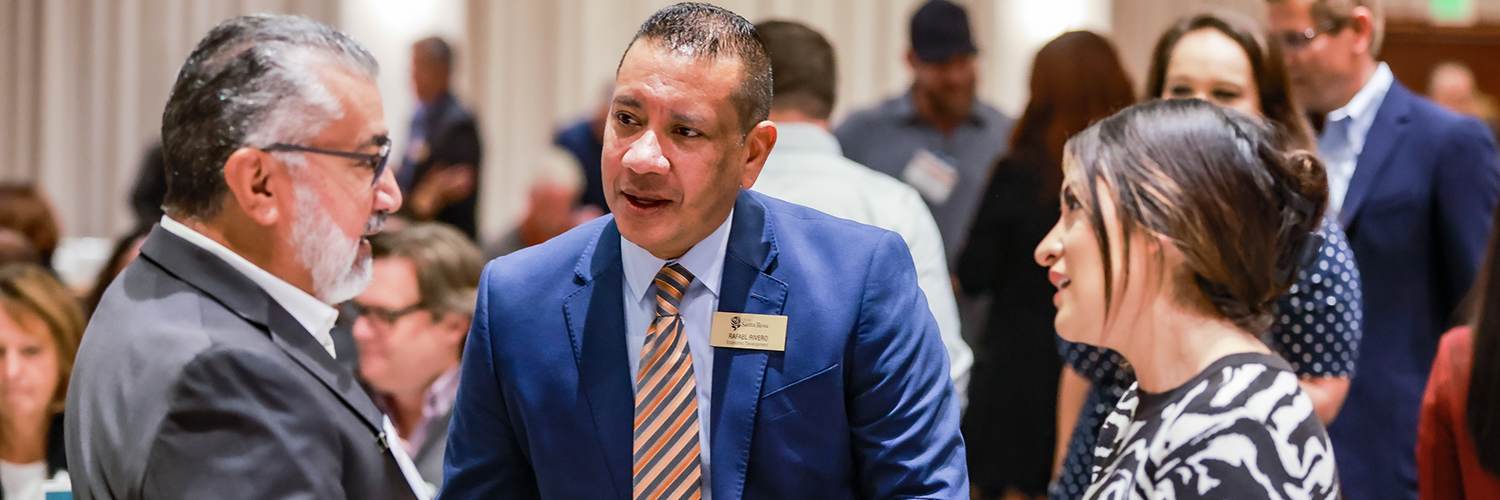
808	168
1341	156
706	262
314	316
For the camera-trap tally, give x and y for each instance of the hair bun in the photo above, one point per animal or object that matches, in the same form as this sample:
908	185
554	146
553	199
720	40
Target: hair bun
1305	166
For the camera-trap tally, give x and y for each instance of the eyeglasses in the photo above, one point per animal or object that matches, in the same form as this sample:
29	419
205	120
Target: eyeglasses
1298	40
386	317
376	161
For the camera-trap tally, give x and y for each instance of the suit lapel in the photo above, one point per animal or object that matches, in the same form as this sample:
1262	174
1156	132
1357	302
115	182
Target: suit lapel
738	373
1384	135
224	284
595	314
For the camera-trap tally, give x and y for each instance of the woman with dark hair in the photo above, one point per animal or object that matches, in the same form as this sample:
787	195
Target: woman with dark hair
1076	79
1182	224
40	327
1222	58
1458	439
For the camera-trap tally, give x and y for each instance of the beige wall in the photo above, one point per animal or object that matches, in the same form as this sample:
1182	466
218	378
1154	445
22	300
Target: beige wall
83	82
82	87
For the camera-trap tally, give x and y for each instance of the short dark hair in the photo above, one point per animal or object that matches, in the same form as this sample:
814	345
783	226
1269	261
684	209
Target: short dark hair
805	67
1267	66
435	49
251	82
1216	183
447	263
710	32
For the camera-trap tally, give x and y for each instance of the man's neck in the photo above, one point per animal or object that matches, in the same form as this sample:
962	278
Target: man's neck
1363	75
929	112
254	246
797	116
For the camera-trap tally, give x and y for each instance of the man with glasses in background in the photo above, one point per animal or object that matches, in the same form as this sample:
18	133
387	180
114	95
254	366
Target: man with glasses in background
208	370
1414	186
413	319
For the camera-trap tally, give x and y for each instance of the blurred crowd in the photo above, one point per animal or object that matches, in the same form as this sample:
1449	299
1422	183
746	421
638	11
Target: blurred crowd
1401	255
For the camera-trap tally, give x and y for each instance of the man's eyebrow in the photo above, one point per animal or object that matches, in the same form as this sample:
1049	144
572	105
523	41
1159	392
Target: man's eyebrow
627	101
690	119
377	140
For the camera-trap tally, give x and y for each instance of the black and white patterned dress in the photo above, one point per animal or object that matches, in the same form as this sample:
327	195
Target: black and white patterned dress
1241	429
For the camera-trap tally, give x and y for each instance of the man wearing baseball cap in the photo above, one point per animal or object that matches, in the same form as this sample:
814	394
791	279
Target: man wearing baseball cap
936	136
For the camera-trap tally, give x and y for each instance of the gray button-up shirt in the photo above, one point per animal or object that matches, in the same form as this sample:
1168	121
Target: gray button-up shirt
886	137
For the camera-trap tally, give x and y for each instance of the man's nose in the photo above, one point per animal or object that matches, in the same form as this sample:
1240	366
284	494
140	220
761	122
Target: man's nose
644	156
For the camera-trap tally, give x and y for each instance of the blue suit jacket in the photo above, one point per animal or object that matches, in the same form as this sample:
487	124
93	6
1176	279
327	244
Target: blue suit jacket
1417	215
858	406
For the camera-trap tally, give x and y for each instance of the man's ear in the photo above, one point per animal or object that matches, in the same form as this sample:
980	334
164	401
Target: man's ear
249	173
1362	21
453	327
758	145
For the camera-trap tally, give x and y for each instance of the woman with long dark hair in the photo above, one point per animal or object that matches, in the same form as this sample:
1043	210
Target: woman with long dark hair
1458	439
1076	79
1223	58
1182	224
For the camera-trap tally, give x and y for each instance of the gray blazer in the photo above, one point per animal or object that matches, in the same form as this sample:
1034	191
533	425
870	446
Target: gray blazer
192	382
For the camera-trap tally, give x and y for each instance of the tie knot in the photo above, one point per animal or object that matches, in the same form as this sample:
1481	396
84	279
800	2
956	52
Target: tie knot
671	282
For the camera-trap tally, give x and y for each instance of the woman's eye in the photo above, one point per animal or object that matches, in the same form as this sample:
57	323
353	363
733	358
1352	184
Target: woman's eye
1180	91
1226	95
1070	202
31	351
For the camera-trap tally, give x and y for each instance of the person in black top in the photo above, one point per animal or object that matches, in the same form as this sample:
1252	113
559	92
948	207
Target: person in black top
440	175
1182	223
1076	79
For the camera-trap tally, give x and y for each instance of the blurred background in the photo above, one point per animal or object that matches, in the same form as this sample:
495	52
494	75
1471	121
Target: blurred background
83	82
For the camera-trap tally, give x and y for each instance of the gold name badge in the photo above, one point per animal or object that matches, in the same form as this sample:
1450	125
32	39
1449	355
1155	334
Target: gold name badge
762	332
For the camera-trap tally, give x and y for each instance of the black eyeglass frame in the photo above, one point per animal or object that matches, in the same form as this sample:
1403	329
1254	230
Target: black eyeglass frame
377	160
385	316
1298	40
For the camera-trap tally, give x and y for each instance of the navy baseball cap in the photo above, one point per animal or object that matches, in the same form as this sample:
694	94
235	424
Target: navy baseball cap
940	30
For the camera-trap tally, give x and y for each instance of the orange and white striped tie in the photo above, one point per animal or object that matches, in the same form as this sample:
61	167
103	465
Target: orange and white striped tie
666	401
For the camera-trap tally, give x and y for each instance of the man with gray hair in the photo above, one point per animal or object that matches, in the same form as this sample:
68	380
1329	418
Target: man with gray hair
208	370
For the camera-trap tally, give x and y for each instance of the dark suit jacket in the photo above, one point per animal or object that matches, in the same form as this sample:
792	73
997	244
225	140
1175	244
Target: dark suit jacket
1417	215
452	139
192	382
858	406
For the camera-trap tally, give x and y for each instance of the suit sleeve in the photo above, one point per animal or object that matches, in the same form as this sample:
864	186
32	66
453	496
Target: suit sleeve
239	427
903	416
484	459
457	144
921	234
1468	185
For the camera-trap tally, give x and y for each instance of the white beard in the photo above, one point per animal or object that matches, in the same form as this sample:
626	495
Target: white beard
339	272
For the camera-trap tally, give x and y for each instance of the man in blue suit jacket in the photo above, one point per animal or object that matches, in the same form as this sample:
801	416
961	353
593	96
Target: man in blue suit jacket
1415	187
565	353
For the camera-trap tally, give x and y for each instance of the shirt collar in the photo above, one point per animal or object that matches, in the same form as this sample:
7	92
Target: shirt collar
799	136
441	394
314	315
705	260
1365	103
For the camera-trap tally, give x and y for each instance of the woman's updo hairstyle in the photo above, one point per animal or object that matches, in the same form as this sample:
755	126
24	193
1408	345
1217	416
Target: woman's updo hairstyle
1215	182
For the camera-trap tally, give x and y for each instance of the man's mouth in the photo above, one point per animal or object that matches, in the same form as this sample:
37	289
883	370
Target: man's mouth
644	202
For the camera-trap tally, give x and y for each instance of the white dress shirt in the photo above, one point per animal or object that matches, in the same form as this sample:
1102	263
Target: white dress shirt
311	313
706	262
807	167
1344	132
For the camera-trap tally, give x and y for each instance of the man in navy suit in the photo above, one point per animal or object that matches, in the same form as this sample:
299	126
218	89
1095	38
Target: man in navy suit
703	341
1415	187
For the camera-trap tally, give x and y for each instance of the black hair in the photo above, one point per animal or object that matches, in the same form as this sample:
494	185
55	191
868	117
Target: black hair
805	68
710	32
